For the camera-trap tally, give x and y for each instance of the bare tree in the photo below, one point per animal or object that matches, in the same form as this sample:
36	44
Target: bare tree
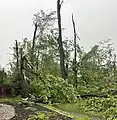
76	49
33	44
21	63
17	56
60	43
75	52
37	65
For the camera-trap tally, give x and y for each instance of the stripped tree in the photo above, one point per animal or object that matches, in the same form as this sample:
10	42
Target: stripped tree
33	44
76	47
75	52
17	56
60	43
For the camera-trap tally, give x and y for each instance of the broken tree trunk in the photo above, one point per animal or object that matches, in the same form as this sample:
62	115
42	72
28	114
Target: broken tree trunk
17	56
60	43
24	82
75	52
21	64
33	44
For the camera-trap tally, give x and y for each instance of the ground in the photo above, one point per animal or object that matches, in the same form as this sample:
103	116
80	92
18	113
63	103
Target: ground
24	110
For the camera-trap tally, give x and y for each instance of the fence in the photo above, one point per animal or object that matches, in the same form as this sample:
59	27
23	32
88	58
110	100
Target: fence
5	90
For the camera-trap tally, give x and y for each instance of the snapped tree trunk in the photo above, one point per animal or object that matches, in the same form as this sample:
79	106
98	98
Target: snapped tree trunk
60	43
21	64
37	65
24	80
33	44
17	56
75	52
21	72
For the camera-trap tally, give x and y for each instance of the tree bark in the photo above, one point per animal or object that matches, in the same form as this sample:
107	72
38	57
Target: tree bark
75	52
37	65
33	44
60	43
21	64
17	56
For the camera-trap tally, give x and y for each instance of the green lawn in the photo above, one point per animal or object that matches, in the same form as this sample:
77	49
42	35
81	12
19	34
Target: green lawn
11	99
77	110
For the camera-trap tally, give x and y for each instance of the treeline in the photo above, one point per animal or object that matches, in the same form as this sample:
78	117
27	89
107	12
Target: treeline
56	69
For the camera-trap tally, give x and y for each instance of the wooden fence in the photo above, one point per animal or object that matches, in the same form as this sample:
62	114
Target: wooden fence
5	90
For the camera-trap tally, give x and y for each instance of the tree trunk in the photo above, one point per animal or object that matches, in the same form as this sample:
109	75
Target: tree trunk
114	65
37	65
33	44
75	52
60	43
21	72
17	56
21	64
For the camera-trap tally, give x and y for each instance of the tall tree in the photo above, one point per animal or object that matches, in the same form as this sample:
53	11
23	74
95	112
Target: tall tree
33	44
75	52
17	56
60	43
3	76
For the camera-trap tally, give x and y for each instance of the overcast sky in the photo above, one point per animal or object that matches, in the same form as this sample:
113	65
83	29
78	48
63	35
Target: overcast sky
95	20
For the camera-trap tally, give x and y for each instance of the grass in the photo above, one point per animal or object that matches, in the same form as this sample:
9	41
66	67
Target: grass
74	110
77	109
66	113
11	100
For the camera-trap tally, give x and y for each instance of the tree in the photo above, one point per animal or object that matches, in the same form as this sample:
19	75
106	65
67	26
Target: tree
17	56
60	43
3	76
46	48
75	52
33	44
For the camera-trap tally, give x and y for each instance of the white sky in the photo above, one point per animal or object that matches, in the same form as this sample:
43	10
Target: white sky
95	20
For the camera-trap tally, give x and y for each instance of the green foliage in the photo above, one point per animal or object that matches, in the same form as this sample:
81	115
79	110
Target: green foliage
3	76
16	83
107	107
82	118
102	87
39	116
54	90
102	107
11	100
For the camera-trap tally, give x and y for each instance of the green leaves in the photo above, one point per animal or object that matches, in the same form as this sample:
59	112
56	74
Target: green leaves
3	76
106	107
99	108
55	90
39	116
